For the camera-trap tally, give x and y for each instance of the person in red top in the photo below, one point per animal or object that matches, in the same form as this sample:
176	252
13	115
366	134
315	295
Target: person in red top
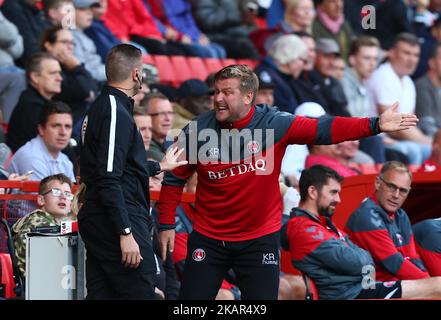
381	227
237	151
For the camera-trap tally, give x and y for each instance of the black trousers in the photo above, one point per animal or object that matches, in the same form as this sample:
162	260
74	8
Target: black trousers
255	263
106	276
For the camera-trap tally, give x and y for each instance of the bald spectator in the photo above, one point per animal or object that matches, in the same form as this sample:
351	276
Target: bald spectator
44	82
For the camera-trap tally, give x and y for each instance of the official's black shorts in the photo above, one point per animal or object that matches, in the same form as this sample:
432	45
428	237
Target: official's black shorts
255	263
382	290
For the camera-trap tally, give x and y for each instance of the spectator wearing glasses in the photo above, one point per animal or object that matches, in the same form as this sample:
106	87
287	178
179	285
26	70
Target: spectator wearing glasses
162	113
382	227
78	87
54	201
42	155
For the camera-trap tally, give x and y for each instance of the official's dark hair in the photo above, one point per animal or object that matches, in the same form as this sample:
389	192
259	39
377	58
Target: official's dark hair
53	107
49	35
248	79
34	63
406	37
316	176
55	177
120	62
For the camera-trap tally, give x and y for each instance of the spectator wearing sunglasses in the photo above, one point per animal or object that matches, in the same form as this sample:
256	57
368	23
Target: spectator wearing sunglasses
382	227
54	205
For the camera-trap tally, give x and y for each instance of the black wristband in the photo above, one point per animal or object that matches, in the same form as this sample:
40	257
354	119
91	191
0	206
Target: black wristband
377	125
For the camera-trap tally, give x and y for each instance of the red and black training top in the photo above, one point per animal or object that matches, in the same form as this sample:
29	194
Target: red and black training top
389	239
238	167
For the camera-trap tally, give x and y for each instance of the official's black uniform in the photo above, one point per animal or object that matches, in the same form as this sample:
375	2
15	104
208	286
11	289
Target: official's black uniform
114	168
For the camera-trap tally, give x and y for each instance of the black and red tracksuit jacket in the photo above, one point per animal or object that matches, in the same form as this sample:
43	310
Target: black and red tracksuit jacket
427	235
239	199
389	239
326	255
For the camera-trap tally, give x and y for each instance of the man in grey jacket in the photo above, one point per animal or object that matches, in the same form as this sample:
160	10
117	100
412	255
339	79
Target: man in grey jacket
428	99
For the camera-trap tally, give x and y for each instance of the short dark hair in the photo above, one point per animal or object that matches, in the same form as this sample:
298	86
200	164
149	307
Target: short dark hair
34	63
53	107
140	111
120	62
53	4
316	176
49	35
150	96
248	79
57	177
406	37
363	41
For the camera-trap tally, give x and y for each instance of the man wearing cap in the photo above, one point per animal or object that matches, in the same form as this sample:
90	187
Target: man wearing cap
85	49
265	94
193	98
336	102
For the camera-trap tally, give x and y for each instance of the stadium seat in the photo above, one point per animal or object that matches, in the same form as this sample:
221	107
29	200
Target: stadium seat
181	69
165	69
198	68
368	168
249	62
147	59
7	275
227	62
311	289
213	64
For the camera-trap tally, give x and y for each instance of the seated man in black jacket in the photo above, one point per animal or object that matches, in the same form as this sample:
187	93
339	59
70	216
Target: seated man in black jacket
44	78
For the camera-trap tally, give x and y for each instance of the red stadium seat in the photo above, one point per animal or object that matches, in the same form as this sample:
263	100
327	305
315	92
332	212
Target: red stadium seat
165	69
213	64
7	275
249	62
147	59
198	68
227	62
181	69
368	168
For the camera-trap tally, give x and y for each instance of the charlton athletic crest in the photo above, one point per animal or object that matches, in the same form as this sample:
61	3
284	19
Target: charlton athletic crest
253	147
198	255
